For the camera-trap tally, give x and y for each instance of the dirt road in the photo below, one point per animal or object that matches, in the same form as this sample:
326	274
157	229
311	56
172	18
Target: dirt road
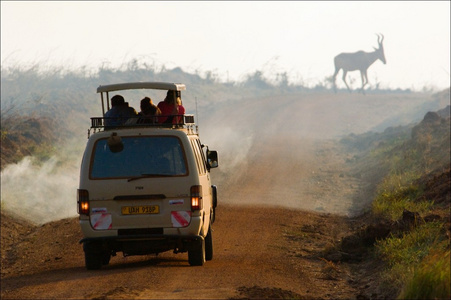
259	250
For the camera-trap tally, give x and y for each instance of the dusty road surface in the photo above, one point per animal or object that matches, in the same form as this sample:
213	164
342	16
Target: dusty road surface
259	250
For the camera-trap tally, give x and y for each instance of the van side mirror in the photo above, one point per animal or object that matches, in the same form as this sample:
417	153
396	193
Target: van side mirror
212	159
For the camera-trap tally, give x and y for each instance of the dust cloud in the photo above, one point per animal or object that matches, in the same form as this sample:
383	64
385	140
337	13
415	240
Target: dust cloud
272	151
282	151
40	192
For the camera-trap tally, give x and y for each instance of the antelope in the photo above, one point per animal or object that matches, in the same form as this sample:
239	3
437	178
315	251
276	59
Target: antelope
360	61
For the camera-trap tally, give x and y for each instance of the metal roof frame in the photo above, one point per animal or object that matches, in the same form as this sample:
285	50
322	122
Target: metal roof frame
141	85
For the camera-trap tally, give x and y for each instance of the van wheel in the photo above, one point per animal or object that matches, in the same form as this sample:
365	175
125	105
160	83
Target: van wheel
196	256
93	260
209	245
106	258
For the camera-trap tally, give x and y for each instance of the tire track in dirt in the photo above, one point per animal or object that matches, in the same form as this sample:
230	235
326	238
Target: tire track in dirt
256	249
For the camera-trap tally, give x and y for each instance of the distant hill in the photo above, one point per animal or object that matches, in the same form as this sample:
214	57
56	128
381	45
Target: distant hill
40	108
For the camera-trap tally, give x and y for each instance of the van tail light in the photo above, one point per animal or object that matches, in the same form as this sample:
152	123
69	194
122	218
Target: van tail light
83	202
196	197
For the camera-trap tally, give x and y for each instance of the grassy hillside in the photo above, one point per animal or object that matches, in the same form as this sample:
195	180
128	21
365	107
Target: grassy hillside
409	222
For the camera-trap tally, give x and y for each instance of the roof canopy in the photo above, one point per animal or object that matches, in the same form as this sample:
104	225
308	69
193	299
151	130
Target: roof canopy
141	85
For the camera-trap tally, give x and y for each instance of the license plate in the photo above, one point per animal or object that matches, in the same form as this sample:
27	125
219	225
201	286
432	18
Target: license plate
140	210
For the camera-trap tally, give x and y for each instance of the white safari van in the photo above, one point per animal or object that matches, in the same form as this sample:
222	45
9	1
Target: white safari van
145	186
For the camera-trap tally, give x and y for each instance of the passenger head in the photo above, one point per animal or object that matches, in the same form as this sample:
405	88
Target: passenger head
146	103
117	100
170	96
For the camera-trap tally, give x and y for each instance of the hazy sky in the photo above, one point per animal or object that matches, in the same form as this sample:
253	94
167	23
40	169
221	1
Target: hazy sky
236	38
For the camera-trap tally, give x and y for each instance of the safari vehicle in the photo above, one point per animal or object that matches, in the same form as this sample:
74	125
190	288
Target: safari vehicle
145	187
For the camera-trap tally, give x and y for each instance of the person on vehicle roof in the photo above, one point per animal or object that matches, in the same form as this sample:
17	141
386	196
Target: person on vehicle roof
172	110
119	113
148	111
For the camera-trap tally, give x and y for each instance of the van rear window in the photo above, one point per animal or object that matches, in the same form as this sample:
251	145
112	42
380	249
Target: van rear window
140	156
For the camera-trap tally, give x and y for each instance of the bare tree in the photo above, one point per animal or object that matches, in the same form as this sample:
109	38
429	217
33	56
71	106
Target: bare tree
358	61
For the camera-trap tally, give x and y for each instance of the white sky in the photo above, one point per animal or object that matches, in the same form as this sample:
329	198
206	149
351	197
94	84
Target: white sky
235	38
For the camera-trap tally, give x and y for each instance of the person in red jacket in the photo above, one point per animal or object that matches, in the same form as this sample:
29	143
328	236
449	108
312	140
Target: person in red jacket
171	108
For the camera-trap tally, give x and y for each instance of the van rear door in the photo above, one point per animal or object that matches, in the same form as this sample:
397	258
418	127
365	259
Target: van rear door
140	184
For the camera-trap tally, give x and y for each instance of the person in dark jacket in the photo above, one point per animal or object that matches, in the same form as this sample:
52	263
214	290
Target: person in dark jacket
119	113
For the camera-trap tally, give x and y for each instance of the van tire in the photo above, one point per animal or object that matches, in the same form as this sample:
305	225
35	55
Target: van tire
209	245
196	256
214	190
93	260
106	258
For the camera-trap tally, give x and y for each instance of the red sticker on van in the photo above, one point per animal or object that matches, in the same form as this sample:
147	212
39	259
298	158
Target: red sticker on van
180	218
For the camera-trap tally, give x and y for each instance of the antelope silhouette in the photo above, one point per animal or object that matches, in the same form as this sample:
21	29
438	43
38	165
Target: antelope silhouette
360	61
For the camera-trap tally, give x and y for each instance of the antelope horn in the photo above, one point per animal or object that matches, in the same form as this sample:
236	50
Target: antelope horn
380	38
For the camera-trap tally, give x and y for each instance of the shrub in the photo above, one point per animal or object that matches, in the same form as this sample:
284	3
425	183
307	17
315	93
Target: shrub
405	252
431	279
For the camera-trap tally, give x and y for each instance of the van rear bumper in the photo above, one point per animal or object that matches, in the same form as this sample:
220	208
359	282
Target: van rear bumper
142	244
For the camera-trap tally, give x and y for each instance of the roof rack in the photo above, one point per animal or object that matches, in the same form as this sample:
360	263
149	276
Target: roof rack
98	123
141	85
105	123
105	89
